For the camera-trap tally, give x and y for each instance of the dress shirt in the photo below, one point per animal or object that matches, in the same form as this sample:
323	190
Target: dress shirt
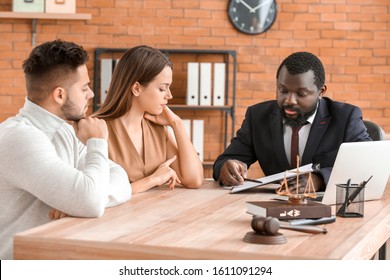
303	136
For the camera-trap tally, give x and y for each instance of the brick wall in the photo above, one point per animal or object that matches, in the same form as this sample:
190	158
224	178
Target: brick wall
352	37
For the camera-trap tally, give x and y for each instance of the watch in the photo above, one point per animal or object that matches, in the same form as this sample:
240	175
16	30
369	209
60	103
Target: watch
252	16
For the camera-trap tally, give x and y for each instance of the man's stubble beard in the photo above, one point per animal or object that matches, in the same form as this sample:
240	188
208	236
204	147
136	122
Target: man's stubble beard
68	108
301	116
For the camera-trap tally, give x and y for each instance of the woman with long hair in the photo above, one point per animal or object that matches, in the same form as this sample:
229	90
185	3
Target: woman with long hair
136	112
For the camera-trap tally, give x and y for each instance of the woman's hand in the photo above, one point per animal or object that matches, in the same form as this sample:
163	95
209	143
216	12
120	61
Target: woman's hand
167	117
165	174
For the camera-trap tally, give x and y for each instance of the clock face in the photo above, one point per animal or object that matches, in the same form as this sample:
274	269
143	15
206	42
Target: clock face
252	16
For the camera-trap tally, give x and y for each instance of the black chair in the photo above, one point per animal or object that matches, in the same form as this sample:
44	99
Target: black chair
377	134
375	131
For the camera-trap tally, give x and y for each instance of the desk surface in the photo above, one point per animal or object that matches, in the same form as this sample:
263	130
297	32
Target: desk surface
207	223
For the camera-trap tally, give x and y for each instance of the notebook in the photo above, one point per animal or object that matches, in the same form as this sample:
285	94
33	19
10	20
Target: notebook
359	161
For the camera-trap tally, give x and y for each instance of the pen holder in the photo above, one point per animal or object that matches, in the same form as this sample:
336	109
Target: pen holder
350	200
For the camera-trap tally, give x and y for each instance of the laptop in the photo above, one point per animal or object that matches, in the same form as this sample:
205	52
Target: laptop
357	161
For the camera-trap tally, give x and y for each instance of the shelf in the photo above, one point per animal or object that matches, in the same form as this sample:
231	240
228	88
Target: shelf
208	163
197	107
36	16
227	109
28	15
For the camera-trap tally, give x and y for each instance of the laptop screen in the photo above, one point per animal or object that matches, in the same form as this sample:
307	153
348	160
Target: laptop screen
359	161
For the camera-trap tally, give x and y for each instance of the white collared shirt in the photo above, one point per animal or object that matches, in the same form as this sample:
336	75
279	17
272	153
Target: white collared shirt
303	135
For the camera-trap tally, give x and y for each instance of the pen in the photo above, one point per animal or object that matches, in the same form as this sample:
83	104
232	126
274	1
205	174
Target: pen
253	180
357	191
346	202
350	199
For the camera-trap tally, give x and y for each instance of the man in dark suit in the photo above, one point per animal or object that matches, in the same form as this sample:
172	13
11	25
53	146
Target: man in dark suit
267	130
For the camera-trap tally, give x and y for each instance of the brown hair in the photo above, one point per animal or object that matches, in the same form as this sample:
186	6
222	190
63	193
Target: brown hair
139	64
50	65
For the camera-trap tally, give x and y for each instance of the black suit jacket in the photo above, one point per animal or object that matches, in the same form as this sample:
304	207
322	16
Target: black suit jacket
260	137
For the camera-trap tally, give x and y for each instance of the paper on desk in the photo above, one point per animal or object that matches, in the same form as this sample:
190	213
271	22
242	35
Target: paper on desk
272	178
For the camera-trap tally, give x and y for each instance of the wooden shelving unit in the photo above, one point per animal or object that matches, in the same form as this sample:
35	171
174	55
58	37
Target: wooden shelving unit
28	15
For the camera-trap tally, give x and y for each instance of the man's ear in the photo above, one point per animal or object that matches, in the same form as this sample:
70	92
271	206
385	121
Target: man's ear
323	90
136	89
59	95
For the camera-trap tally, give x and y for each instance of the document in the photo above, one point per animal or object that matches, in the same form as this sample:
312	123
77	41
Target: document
193	83
272	178
219	84
205	84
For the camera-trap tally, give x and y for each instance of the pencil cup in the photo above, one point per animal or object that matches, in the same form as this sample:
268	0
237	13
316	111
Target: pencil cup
350	200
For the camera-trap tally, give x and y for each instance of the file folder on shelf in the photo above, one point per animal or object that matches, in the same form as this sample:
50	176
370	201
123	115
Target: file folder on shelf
187	126
60	6
193	83
37	6
197	137
205	84
105	76
219	84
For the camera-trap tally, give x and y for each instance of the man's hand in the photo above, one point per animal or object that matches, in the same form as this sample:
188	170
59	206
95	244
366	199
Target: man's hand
90	128
233	173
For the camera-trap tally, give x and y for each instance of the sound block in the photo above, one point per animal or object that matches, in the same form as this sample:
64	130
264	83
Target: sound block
258	238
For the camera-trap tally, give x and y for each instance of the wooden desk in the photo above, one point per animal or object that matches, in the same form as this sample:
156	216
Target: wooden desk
208	223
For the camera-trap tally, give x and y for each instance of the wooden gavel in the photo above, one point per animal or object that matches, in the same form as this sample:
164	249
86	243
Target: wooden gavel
270	226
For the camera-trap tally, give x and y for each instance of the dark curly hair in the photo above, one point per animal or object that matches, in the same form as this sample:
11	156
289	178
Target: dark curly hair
301	62
50	65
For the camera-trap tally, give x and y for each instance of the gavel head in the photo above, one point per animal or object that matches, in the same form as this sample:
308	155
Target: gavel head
265	225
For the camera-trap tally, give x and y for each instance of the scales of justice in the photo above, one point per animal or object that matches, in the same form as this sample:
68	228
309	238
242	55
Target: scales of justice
265	229
296	197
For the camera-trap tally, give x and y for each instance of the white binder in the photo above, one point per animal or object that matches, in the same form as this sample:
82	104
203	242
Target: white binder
219	84
60	6
105	77
187	126
170	130
193	83
198	136
115	63
205	84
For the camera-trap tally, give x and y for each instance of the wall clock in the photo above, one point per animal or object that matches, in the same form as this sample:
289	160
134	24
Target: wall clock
252	16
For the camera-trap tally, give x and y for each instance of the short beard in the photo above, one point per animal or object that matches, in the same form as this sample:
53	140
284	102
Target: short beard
301	116
67	110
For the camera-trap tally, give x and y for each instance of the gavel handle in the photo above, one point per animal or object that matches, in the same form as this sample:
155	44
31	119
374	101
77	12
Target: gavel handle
307	229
